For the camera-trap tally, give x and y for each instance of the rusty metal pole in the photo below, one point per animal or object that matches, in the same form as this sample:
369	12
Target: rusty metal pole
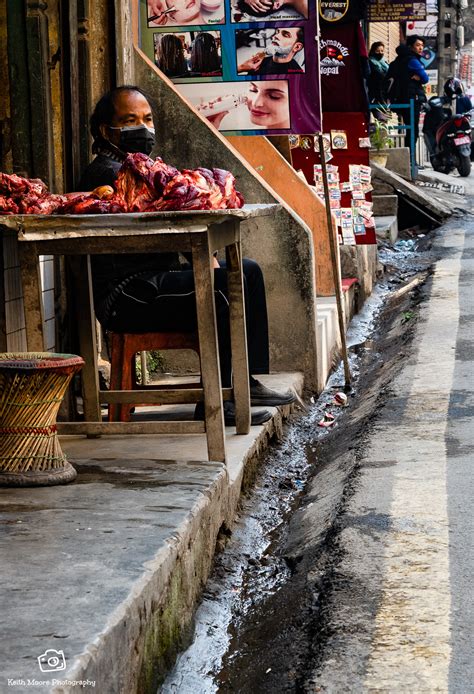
335	264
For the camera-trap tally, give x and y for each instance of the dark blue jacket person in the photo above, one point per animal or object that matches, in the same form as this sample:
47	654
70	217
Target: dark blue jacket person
406	76
154	293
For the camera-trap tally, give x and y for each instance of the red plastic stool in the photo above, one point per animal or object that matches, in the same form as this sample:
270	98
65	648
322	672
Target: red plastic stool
124	347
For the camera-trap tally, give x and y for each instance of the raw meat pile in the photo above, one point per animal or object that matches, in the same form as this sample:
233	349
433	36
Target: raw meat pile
143	185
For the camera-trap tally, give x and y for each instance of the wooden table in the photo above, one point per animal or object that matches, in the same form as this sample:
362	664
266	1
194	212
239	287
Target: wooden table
200	233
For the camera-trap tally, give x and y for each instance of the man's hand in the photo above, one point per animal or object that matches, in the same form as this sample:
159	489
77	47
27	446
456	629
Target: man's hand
156	8
252	64
416	77
260	5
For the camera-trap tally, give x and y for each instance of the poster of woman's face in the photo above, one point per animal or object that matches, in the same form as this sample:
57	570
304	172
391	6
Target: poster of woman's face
188	53
268	10
259	105
164	13
270	51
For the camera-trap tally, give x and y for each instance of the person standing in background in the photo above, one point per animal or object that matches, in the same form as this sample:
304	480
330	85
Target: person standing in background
376	79
406	77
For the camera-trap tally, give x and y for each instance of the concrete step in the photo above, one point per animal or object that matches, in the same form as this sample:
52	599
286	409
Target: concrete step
328	340
385	205
324	362
327	336
328	313
387	228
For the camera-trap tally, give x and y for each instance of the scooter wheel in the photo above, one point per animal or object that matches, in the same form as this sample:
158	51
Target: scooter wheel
464	167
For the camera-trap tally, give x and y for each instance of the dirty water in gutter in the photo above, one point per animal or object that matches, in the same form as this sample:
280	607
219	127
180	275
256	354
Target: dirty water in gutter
249	569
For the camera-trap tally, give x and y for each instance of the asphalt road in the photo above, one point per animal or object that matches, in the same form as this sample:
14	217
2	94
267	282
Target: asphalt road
398	613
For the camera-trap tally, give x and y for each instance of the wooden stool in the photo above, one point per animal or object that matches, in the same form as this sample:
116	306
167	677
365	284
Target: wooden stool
32	386
124	347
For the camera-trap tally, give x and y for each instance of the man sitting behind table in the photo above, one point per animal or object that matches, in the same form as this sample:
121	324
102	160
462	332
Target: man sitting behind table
154	292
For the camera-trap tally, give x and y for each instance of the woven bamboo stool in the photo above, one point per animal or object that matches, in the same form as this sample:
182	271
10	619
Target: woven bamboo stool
32	386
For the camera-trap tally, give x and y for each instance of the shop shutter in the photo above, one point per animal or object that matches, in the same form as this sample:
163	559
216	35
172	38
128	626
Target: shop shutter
388	33
394	39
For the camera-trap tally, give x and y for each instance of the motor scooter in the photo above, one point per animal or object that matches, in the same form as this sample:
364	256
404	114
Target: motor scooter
447	137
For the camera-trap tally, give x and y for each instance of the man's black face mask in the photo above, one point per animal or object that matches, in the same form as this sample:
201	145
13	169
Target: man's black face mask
137	138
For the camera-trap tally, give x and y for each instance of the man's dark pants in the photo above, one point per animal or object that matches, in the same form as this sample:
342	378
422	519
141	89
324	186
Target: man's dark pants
167	303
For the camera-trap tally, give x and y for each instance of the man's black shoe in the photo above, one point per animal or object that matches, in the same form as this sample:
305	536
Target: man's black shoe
258	416
261	395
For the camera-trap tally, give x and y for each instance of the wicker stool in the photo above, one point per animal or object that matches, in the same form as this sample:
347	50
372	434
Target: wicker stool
32	386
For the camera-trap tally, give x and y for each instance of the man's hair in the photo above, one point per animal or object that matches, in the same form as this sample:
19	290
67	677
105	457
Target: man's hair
105	109
299	35
411	40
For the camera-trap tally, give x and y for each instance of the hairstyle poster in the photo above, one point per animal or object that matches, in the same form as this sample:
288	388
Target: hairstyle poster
251	67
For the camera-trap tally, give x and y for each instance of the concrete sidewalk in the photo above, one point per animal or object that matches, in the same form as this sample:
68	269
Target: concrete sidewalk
108	569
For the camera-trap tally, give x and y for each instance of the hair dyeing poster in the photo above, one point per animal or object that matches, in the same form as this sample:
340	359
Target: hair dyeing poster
251	67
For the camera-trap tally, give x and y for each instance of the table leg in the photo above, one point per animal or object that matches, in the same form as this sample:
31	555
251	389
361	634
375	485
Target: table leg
82	280
32	300
210	368
3	316
238	336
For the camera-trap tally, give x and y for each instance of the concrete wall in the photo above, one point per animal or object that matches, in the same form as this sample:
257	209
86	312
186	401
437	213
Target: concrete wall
282	244
281	176
398	161
12	318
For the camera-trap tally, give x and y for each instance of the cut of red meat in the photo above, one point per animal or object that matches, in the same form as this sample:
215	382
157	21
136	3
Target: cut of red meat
37	186
134	182
8	206
187	190
43	204
143	185
162	173
12	185
86	203
226	182
141	180
16	187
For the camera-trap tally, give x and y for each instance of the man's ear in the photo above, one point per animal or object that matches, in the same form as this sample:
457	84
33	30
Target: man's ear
298	47
103	131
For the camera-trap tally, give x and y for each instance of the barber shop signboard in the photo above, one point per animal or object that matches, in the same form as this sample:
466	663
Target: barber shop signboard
251	67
